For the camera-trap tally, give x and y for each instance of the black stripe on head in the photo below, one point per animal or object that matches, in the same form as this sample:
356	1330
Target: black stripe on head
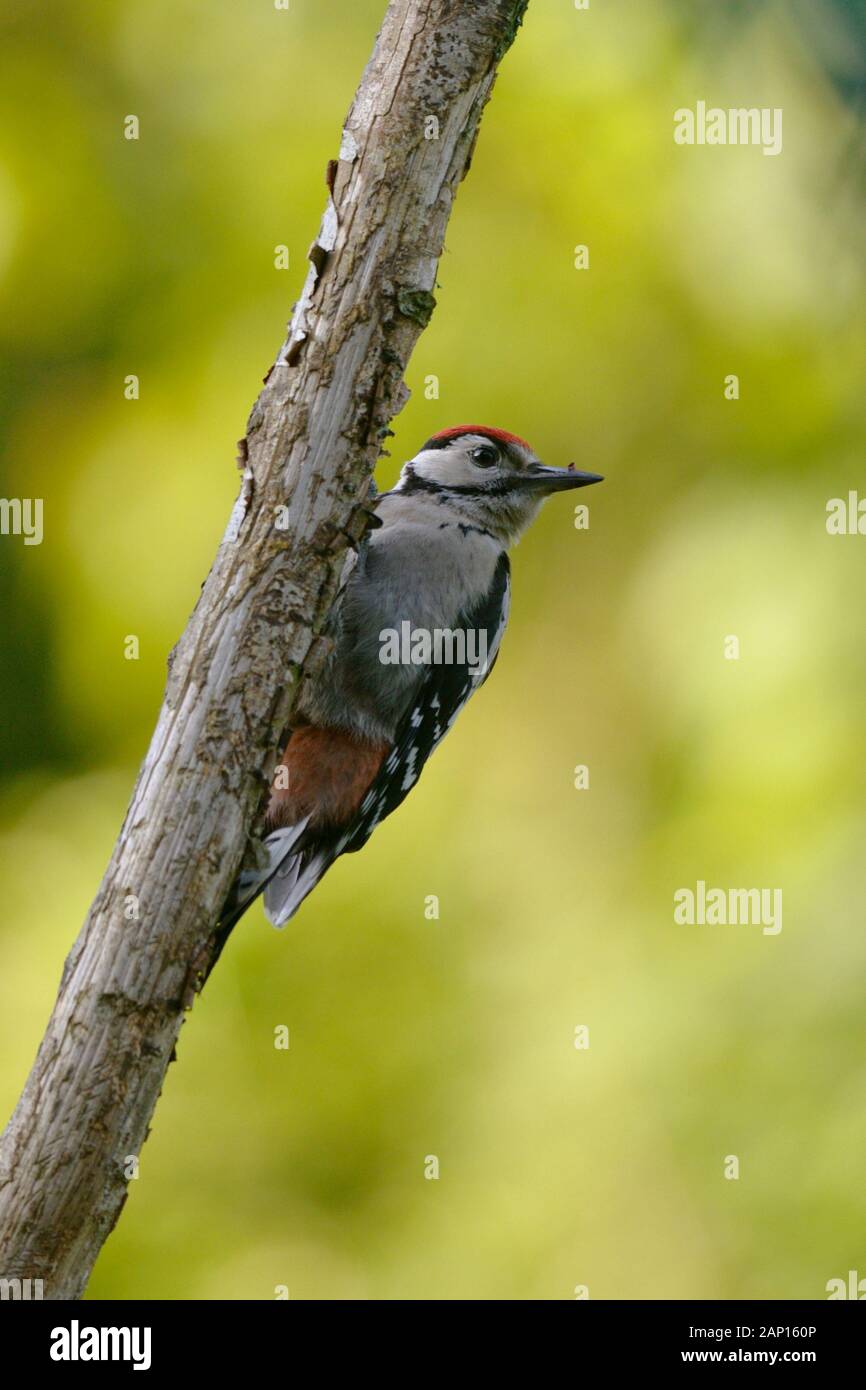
411	481
435	442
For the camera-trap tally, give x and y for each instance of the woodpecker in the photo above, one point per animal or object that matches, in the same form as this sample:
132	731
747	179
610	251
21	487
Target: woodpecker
364	726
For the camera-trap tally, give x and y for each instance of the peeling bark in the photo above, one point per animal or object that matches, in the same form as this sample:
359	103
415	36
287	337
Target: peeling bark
312	441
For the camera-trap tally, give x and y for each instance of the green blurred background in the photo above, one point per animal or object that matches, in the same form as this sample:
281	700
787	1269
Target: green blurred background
409	1037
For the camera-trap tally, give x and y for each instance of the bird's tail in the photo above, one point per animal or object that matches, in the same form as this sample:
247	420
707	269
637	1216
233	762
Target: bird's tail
297	873
293	868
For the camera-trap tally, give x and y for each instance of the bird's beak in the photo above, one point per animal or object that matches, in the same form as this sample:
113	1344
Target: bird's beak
543	479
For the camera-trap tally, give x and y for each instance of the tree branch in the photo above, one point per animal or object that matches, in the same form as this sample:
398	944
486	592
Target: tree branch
312	441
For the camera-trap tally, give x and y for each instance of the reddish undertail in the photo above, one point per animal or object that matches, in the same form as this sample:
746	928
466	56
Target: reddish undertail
323	776
318	788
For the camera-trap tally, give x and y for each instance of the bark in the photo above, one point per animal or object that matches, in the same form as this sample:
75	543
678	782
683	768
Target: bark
312	441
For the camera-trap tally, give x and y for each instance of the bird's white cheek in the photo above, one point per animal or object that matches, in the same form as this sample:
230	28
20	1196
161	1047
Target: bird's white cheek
448	473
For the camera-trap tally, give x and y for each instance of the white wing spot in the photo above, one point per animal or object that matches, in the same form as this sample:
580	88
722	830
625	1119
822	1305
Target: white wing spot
409	776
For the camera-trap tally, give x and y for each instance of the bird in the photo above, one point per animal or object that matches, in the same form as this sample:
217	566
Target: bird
415	630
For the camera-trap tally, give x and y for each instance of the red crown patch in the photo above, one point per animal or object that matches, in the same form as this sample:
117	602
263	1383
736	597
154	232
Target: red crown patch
502	435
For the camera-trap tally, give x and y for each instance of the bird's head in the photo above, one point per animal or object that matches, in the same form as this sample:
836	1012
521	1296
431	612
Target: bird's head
493	477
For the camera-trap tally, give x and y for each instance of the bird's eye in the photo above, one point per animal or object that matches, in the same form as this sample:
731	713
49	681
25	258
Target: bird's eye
485	455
